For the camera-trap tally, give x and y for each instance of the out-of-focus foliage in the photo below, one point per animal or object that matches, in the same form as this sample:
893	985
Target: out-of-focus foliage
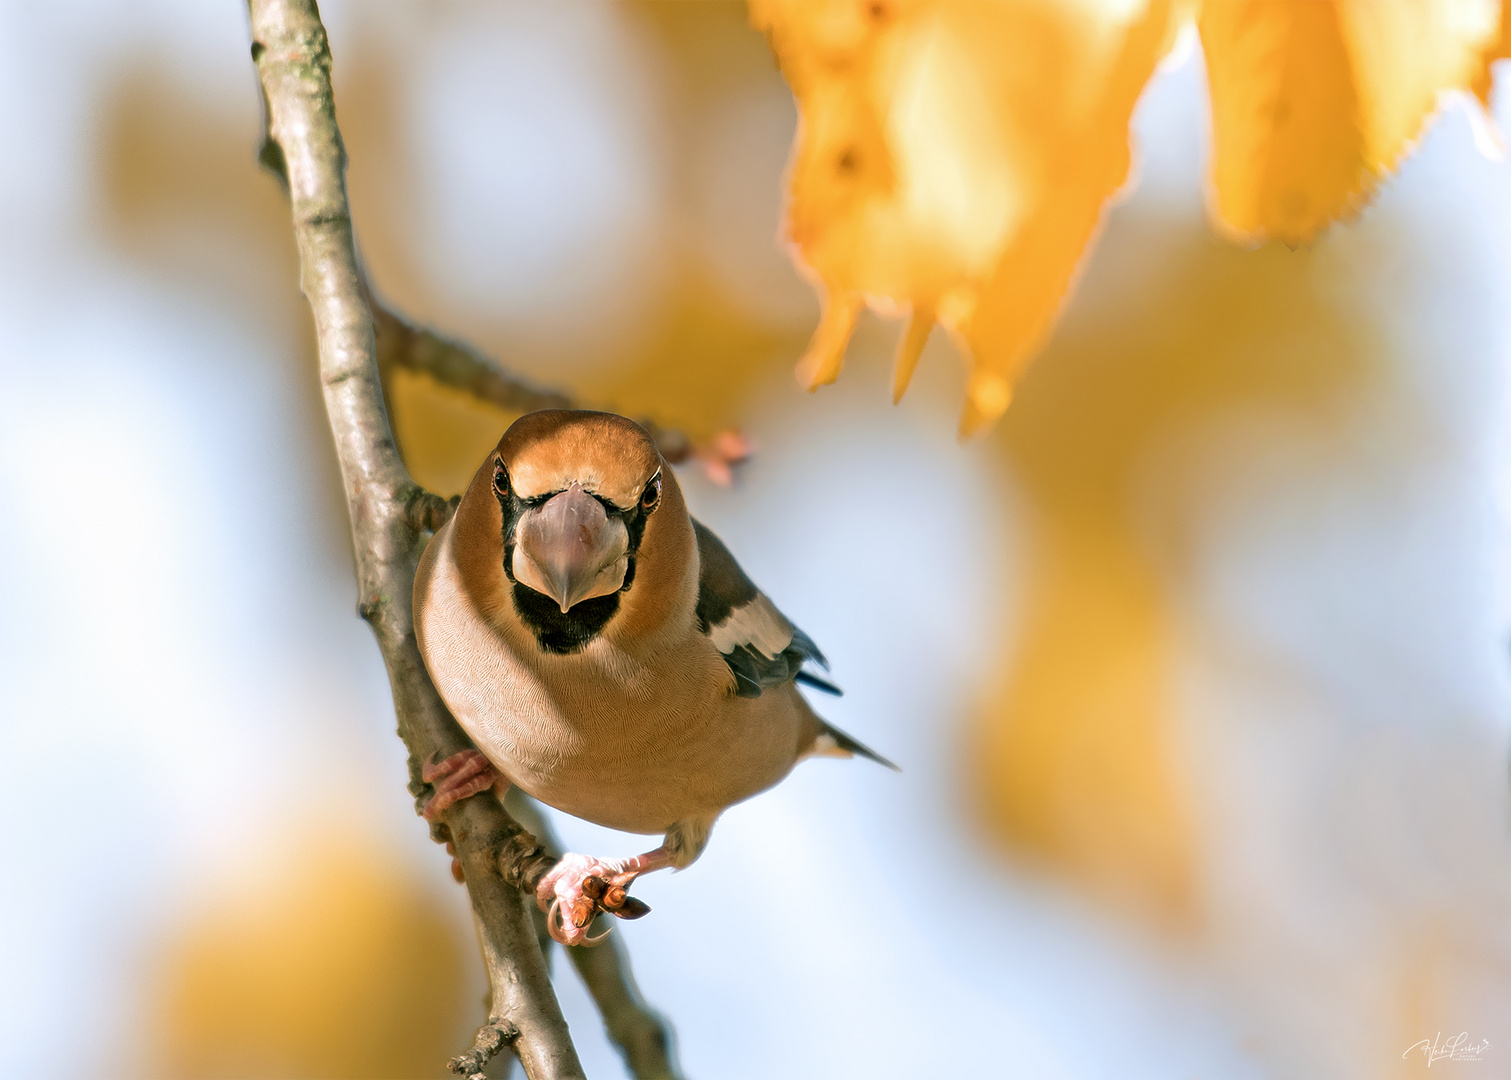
1313	103
325	953
1078	759
326	959
1081	759
728	309
954	160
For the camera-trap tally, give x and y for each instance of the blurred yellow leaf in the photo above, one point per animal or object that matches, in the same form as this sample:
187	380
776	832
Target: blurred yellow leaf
953	160
1077	756
1081	760
1499	49
328	961
1312	103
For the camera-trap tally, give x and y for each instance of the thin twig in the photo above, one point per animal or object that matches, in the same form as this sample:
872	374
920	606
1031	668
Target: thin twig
642	1035
491	1038
452	363
293	61
644	1038
403	344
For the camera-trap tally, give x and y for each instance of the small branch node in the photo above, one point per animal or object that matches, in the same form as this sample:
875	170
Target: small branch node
370	608
492	1037
523	862
425	511
340	377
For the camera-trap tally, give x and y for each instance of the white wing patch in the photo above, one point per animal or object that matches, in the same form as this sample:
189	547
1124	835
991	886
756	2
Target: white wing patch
757	624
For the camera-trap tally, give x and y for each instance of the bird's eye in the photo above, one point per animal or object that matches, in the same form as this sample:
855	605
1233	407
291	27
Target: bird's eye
500	479
651	495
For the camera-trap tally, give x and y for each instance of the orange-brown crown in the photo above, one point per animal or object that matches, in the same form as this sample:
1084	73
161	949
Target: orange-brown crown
608	455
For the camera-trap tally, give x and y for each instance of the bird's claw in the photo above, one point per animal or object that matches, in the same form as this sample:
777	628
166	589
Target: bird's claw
615	898
573	930
459	777
577	889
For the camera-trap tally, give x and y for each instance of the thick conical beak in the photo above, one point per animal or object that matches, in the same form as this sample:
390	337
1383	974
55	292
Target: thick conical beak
570	549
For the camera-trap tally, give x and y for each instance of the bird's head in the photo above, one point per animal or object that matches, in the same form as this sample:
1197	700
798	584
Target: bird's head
575	493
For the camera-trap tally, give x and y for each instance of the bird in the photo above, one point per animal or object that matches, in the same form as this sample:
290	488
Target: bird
605	652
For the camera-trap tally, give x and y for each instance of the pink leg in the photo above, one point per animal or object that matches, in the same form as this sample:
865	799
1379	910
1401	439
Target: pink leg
579	886
460	776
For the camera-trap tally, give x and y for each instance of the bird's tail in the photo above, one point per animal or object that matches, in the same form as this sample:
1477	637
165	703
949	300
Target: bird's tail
832	741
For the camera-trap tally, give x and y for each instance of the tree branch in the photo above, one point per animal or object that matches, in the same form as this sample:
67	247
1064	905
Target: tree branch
491	1038
451	363
403	344
644	1039
293	62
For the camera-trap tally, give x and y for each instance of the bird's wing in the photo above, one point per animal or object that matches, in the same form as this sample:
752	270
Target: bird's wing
760	646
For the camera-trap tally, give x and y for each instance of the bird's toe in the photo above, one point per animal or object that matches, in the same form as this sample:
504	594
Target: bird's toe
458	777
577	888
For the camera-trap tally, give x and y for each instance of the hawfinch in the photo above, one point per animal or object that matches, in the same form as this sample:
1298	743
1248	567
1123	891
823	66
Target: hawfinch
607	654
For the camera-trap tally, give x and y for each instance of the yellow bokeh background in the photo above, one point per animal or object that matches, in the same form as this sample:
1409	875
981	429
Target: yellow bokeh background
1075	766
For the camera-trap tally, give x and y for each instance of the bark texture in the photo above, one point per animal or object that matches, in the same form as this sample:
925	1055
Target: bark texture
497	855
643	1036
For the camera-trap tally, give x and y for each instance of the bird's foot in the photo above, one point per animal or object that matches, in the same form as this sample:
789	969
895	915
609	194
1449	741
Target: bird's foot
460	776
580	886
